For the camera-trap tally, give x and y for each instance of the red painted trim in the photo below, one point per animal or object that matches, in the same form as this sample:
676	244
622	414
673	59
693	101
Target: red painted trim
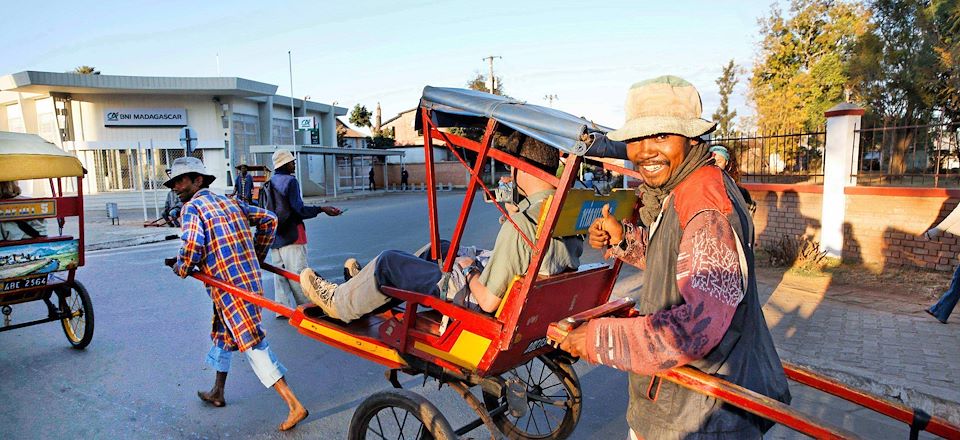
848	112
243	294
783	187
431	190
902	413
899	191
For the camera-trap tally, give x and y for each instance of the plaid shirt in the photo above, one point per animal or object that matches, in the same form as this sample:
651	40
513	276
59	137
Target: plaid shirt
217	239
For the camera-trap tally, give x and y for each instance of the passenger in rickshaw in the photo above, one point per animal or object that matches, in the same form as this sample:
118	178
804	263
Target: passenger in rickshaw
217	241
484	287
172	207
19	229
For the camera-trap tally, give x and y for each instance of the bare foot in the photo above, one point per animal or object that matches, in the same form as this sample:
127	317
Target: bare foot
295	416
212	399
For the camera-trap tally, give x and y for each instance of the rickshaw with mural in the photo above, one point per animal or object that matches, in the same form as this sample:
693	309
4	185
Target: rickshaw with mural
38	262
525	387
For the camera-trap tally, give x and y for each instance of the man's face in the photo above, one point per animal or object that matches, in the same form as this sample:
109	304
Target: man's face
243	171
658	157
290	167
720	161
185	187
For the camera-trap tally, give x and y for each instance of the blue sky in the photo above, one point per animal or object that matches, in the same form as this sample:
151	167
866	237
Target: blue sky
367	52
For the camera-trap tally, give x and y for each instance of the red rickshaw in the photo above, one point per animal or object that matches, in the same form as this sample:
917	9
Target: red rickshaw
529	388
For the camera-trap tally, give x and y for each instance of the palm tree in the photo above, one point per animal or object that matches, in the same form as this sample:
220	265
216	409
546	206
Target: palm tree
86	70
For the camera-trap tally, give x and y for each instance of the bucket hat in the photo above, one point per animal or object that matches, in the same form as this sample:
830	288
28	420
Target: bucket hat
186	165
663	105
281	158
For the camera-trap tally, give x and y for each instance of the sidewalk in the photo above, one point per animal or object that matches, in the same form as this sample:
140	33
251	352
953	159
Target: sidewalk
880	341
101	234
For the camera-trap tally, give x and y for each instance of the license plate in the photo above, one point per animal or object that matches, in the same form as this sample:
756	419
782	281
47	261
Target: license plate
24	283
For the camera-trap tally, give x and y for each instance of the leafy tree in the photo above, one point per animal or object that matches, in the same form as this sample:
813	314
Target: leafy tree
945	18
341	135
86	70
802	69
360	116
723	115
479	83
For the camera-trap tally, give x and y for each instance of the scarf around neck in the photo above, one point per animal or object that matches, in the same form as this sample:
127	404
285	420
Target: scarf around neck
651	199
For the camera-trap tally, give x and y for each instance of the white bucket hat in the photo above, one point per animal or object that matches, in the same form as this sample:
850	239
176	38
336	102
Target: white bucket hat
186	165
281	158
663	105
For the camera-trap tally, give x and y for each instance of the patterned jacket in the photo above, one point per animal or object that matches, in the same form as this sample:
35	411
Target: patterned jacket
217	240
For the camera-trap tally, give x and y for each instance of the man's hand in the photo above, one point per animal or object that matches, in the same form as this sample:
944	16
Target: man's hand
330	210
576	342
169	262
605	231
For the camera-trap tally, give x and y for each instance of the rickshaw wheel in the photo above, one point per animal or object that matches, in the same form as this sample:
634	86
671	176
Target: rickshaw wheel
545	379
74	299
386	415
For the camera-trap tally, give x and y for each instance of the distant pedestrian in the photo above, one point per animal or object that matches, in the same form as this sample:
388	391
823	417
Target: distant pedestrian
283	198
588	178
942	309
404	178
243	185
172	207
373	185
727	162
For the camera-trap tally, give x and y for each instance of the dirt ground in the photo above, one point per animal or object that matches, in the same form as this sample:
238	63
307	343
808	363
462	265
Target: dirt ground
897	289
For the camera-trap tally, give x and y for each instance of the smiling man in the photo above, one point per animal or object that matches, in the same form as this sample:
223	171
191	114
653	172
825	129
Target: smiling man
698	302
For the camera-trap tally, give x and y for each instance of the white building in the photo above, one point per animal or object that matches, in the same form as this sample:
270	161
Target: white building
126	129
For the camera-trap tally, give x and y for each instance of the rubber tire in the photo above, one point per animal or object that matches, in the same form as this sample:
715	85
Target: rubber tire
78	342
571	383
437	426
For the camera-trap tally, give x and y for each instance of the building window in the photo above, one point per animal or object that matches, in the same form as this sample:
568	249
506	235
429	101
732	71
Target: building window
246	132
281	131
15	119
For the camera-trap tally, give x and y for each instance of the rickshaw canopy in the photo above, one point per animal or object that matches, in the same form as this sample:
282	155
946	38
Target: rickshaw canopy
452	107
28	156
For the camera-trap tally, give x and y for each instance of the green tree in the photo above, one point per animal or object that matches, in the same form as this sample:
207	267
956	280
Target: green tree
479	82
802	69
360	116
86	70
724	115
945	18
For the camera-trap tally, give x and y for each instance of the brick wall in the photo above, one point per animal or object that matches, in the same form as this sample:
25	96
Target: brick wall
882	225
445	173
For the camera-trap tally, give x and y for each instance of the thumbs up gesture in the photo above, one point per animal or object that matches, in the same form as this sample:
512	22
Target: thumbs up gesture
605	231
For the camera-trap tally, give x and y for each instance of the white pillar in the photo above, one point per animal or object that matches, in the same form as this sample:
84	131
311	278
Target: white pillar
840	159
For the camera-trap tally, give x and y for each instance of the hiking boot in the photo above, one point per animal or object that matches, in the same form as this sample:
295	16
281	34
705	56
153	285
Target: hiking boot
351	268
319	290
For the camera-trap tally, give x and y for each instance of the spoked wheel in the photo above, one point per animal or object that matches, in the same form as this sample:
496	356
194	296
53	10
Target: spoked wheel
78	326
399	414
553	401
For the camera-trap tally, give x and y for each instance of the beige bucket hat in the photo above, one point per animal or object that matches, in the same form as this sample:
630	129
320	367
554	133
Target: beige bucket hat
186	165
281	158
663	105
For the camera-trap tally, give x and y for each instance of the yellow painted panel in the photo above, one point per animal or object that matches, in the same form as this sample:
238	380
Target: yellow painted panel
466	352
345	338
582	206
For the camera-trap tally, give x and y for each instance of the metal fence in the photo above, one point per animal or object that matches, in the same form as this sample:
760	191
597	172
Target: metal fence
923	155
777	158
128	169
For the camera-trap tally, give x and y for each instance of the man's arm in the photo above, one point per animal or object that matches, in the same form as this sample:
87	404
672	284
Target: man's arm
710	281
194	240
266	224
296	202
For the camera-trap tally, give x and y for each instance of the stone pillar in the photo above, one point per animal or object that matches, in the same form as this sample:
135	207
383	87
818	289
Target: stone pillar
839	161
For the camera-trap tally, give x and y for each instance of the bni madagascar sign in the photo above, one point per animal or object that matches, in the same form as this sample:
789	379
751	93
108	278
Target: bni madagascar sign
138	117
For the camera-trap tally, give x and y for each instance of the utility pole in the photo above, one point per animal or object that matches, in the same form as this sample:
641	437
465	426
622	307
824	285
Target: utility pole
293	118
550	99
491	81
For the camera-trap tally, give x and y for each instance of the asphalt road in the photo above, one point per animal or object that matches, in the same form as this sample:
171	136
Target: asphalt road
139	376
